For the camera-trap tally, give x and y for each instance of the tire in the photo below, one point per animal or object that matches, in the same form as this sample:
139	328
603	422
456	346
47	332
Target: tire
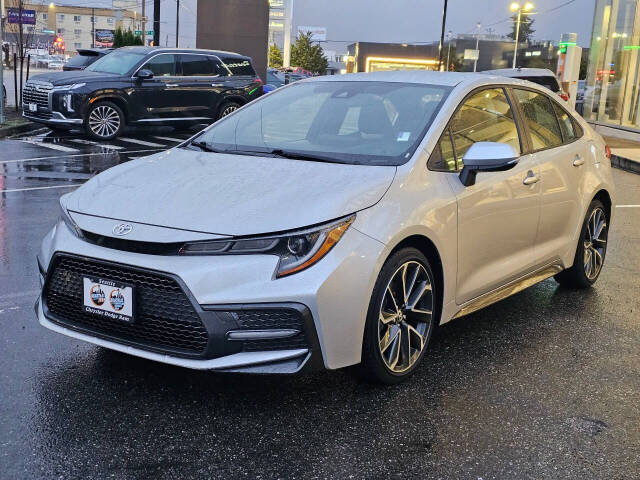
104	121
226	108
390	348
591	250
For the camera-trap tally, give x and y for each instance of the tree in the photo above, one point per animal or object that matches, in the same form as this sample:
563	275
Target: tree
307	55
526	28
118	38
129	38
23	37
275	56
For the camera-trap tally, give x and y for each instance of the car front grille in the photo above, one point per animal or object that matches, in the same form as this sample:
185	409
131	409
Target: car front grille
165	318
38	93
272	319
42	115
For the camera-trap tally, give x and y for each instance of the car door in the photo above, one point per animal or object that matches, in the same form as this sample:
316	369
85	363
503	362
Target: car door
202	84
561	156
498	215
158	98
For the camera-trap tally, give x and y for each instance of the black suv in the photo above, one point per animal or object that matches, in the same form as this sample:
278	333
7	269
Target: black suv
142	86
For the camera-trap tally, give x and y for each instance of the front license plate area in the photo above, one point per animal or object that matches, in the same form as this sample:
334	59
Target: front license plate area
108	298
33	107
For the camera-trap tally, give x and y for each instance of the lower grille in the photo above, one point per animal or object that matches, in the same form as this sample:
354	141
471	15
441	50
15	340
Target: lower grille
268	319
165	318
40	114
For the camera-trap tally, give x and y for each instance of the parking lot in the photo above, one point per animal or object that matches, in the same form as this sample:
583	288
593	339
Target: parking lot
545	384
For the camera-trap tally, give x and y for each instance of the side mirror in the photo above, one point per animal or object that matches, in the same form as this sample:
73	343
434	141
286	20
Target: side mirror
486	157
144	74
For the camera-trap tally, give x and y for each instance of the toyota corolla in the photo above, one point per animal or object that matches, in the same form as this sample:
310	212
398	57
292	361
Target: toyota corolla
336	221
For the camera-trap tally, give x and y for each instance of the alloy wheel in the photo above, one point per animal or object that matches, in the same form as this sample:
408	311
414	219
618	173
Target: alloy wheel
405	317
104	121
229	109
595	243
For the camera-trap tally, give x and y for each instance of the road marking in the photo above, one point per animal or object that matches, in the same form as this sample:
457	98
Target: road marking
89	142
58	157
627	206
39	188
140	142
171	139
53	146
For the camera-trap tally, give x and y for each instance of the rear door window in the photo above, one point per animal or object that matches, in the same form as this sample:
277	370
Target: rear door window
566	125
541	119
239	66
163	65
197	66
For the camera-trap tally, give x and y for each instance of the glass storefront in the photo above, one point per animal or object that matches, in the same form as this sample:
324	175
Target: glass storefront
612	93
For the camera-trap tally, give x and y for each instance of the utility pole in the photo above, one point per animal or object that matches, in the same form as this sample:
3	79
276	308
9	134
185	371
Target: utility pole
288	23
156	23
93	28
449	33
177	23
144	24
475	62
444	23
1	65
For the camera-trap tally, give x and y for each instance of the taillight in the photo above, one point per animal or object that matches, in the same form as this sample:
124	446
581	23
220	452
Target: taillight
564	96
258	79
607	151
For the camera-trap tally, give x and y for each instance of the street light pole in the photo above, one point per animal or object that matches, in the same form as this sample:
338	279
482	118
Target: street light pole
444	23
475	62
516	6
177	22
449	33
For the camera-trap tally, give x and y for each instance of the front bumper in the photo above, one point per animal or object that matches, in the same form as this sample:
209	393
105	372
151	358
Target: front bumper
56	119
333	296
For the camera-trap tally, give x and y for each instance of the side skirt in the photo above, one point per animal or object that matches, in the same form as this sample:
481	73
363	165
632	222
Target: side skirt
507	290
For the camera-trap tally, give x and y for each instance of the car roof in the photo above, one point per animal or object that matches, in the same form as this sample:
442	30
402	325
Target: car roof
94	51
430	77
146	50
521	72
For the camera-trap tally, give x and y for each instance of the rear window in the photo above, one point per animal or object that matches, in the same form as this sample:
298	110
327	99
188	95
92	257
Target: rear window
81	60
546	81
239	66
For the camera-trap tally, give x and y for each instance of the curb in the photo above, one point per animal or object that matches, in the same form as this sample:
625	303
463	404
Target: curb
21	128
625	164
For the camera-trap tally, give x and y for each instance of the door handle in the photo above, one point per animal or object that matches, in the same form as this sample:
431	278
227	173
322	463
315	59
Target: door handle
530	179
172	85
217	84
578	161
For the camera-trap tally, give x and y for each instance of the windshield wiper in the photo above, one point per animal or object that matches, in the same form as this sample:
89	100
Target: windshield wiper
205	147
278	152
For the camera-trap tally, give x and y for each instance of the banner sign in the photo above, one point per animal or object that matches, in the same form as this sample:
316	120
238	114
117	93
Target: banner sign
28	16
104	38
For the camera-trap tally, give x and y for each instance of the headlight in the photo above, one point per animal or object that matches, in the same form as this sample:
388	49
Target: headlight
71	86
66	218
297	250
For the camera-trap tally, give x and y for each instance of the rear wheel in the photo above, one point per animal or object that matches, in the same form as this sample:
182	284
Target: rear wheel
400	319
104	121
591	250
227	108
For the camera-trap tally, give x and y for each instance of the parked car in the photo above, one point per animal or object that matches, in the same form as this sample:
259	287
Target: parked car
541	76
142	86
335	221
85	57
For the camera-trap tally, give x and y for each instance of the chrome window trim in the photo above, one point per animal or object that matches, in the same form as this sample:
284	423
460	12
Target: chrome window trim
133	77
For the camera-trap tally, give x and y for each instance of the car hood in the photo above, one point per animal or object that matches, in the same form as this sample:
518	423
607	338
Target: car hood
72	76
229	194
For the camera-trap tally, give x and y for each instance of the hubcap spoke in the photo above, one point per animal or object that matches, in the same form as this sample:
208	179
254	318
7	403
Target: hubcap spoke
595	243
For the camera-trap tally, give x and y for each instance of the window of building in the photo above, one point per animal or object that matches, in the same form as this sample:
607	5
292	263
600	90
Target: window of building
109	19
76	18
486	116
77	32
77	45
541	119
60	17
60	31
45	16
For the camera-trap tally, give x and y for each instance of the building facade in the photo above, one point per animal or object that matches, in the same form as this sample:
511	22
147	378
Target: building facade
79	27
612	90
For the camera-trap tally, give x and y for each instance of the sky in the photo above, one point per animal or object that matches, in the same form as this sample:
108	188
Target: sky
401	21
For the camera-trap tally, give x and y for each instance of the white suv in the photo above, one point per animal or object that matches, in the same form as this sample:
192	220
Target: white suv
333	222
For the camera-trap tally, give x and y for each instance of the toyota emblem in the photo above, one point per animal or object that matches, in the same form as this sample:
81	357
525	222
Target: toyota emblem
122	229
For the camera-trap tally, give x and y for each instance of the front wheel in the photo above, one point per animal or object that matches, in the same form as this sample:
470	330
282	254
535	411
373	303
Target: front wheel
592	248
400	318
104	121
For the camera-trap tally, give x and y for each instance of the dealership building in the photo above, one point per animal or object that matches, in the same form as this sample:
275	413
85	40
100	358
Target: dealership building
612	91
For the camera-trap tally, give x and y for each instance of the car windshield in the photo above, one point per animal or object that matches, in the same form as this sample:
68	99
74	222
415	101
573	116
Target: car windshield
374	123
117	62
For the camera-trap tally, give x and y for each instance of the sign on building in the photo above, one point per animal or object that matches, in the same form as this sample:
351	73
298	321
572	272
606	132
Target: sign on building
471	54
28	16
318	34
104	38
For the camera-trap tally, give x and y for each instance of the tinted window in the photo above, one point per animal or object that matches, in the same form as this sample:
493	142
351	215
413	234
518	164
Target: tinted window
546	81
162	65
541	119
566	124
486	116
370	123
116	62
239	66
81	60
197	65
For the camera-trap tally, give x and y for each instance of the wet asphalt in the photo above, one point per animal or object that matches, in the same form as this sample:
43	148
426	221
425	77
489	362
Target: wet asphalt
545	384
